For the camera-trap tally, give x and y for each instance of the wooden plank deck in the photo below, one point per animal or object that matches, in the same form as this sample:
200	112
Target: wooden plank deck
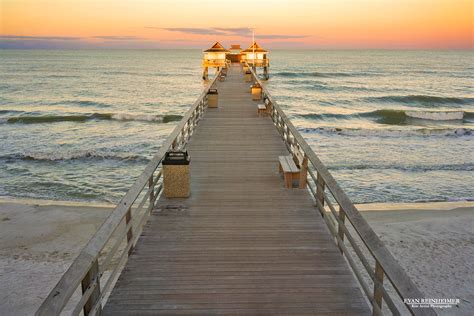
242	244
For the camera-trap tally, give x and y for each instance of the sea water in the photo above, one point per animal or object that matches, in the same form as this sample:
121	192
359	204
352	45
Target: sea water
392	126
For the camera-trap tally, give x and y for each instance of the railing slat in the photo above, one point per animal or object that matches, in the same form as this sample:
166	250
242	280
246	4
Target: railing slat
378	286
92	276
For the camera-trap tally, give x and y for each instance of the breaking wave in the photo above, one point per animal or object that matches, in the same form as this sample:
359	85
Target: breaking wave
425	132
83	103
413	168
75	155
396	117
91	117
421	99
315	74
10	111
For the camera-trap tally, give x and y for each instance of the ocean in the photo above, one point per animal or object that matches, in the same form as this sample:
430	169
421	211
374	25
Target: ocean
392	126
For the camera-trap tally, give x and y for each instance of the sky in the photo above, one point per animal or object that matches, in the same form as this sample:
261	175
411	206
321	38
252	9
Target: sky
325	24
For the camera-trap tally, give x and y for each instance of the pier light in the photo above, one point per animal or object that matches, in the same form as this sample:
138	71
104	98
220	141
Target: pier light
214	57
256	56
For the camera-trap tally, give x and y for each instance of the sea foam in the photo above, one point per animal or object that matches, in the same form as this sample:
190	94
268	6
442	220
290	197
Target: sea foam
436	115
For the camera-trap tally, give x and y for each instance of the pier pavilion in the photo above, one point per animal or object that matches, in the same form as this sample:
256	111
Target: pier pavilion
257	57
214	57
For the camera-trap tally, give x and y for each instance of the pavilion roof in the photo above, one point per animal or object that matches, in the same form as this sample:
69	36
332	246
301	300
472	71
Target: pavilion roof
255	47
216	48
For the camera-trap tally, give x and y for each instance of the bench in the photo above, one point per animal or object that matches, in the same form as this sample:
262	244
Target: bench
292	172
264	108
289	169
261	109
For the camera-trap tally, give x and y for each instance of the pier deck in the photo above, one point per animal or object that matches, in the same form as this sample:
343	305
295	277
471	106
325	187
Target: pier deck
241	243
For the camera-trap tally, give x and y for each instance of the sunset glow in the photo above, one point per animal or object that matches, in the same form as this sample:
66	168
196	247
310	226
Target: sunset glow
196	24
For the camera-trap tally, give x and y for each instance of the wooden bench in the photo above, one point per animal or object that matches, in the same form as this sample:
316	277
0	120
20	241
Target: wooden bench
261	109
264	108
292	172
289	169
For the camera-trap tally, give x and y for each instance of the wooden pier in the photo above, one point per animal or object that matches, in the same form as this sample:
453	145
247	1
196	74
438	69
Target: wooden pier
242	243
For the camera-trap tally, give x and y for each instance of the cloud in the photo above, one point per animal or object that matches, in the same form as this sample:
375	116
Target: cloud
279	36
196	31
227	31
119	38
41	38
242	31
71	42
69	38
287	45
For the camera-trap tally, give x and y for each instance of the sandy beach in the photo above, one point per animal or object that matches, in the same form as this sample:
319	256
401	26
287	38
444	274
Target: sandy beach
40	239
432	241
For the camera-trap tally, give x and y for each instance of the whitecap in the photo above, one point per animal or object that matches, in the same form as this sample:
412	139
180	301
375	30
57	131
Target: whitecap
436	115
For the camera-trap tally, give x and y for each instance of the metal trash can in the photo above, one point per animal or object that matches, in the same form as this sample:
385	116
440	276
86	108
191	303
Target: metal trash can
212	98
248	76
256	92
176	174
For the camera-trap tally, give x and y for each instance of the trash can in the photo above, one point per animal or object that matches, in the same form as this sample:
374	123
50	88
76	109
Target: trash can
248	76
212	98
176	174
245	69
256	92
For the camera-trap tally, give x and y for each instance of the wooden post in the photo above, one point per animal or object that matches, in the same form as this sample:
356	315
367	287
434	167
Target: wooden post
303	172
340	231
288	138
128	218
181	142
190	126
320	192
91	276
152	192
378	285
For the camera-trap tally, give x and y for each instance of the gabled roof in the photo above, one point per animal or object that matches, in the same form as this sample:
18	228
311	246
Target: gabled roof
255	46
216	48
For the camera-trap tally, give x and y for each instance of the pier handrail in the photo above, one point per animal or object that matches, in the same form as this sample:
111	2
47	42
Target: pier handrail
111	245
319	179
258	62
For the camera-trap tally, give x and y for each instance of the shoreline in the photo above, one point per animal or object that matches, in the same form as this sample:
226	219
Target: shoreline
43	202
40	239
362	207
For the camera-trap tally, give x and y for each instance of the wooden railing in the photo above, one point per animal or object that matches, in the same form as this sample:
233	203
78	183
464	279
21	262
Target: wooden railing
365	253
258	62
87	283
215	62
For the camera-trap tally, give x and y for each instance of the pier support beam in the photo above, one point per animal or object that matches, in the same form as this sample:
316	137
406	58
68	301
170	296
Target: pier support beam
205	73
